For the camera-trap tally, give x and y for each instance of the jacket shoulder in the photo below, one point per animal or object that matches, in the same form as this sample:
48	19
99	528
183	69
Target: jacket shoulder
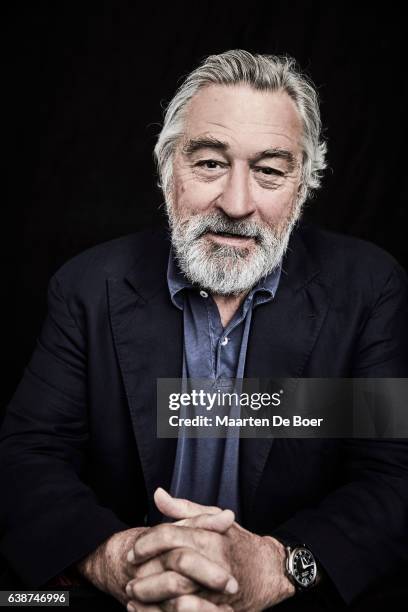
111	260
347	255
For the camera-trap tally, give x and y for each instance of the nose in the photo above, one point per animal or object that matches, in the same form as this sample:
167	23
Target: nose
235	199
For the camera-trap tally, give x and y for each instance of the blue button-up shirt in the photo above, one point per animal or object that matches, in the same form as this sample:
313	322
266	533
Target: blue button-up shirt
206	469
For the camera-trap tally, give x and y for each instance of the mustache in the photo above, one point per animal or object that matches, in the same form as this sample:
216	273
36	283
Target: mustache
223	225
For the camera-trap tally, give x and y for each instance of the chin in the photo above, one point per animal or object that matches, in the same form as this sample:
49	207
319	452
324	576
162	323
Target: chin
227	275
227	251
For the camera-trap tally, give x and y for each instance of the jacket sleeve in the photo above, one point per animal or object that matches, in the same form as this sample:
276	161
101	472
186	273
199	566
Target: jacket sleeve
359	532
49	517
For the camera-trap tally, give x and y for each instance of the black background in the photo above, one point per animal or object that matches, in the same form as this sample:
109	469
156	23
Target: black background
85	86
85	83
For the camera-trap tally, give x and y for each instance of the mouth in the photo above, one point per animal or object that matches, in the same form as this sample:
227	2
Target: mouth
227	238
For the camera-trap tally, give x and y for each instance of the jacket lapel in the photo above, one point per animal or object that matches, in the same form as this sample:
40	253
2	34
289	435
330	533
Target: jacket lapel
148	332
283	334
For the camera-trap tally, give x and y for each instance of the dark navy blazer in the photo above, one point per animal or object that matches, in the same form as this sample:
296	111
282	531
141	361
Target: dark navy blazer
79	455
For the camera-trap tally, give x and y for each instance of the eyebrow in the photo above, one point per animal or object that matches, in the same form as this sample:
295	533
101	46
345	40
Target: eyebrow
195	144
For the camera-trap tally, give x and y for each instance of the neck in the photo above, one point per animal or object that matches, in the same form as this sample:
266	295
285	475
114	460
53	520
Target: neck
228	305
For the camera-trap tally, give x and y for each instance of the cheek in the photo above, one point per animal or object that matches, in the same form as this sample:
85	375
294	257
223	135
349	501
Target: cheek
275	206
194	195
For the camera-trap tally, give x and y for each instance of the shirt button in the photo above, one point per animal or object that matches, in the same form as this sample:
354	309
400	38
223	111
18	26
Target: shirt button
203	294
224	341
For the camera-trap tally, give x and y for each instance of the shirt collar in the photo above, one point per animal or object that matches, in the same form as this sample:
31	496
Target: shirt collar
177	282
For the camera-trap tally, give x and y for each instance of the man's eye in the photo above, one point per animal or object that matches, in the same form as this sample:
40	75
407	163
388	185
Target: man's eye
211	164
268	171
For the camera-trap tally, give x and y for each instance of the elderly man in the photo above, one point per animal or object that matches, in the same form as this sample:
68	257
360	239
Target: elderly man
241	289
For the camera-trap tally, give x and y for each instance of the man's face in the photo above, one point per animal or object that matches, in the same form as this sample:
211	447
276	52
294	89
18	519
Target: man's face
236	178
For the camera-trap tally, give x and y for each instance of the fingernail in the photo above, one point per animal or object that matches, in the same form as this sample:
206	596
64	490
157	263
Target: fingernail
131	556
130	607
129	590
232	586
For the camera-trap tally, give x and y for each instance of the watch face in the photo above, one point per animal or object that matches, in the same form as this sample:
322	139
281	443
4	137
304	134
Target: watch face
303	567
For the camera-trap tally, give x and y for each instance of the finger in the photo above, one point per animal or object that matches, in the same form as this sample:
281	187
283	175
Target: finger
177	508
159	587
219	522
198	567
190	564
193	603
154	566
165	537
133	606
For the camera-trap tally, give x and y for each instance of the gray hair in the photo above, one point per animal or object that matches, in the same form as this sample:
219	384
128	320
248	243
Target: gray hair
261	72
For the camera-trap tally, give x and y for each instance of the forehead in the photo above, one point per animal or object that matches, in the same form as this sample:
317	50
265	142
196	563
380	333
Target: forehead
243	115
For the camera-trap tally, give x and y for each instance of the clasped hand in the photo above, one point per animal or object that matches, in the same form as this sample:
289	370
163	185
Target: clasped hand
203	562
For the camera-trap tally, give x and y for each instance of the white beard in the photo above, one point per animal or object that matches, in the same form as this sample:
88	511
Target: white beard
228	270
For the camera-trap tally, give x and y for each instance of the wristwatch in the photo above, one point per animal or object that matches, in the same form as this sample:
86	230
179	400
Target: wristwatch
301	567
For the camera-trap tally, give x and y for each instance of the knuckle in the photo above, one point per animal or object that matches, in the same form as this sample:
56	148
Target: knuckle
173	583
174	559
182	583
201	538
208	540
182	560
166	534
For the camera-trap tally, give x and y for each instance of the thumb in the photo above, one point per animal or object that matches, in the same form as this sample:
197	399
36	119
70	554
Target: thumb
219	522
176	508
